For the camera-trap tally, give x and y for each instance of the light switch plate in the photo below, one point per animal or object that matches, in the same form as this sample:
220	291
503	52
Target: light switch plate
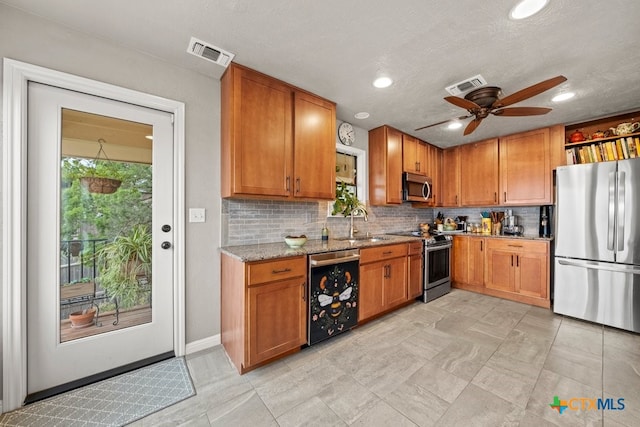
197	215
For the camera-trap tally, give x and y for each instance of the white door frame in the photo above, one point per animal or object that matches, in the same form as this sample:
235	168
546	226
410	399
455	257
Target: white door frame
14	210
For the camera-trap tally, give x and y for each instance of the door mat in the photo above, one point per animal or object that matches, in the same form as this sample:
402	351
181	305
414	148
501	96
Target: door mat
113	402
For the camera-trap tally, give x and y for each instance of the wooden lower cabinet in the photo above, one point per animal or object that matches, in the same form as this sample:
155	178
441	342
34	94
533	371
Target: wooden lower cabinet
415	265
383	279
264	309
468	260
515	269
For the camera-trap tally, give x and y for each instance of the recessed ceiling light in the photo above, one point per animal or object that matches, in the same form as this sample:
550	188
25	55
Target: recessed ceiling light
382	82
361	115
563	97
527	8
454	125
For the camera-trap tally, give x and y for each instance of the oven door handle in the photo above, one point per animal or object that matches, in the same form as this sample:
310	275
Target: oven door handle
437	248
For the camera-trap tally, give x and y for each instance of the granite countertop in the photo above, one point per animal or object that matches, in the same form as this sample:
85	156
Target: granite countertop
264	251
525	237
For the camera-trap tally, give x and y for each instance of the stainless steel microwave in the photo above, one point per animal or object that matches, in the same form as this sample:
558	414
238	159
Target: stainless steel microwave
416	188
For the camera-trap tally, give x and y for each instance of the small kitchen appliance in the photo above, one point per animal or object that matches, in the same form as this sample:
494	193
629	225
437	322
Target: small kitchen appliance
510	226
546	213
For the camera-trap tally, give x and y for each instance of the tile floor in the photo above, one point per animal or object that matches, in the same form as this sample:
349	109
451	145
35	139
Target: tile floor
462	360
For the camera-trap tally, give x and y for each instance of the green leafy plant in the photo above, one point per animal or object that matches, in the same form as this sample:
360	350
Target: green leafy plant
124	263
346	202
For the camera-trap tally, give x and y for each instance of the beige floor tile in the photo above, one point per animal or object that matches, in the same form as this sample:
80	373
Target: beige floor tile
246	410
383	415
313	412
418	404
577	364
478	407
439	382
347	398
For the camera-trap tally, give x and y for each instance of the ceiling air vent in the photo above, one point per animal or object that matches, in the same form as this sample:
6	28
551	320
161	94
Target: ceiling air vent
209	52
466	85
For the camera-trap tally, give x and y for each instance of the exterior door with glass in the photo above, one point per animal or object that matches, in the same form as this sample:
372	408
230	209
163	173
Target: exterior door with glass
99	247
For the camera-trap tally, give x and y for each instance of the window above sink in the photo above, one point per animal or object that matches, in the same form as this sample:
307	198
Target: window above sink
346	157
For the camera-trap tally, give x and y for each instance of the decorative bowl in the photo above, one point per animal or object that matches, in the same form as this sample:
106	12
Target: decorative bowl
295	241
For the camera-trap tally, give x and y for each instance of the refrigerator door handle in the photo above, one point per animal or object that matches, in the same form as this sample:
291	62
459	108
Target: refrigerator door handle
620	220
618	268
612	211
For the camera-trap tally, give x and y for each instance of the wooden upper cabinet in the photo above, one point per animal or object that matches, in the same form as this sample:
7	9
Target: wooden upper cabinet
314	147
479	173
414	155
434	171
525	169
450	177
261	156
385	166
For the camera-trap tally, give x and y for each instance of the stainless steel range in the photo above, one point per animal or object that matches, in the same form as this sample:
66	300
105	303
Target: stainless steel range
437	264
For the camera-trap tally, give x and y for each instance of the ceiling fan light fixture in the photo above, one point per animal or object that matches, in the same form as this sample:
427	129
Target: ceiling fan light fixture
563	97
382	82
454	125
527	8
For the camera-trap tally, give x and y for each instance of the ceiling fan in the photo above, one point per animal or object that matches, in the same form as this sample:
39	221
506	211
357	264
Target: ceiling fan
486	100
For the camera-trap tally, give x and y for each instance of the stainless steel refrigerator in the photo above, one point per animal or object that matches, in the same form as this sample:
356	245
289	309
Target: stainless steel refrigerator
597	243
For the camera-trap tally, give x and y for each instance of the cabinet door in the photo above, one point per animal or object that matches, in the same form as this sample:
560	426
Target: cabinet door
370	297
415	276
277	319
450	175
395	285
500	270
434	162
262	135
532	274
479	173
525	170
476	261
314	148
460	259
385	166
410	161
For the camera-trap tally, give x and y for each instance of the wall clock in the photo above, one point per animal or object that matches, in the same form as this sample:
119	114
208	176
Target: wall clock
346	134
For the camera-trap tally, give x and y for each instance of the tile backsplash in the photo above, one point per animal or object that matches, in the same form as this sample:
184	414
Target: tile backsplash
246	222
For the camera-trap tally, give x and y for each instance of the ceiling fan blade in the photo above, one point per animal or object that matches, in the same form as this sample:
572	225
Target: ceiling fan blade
444	121
529	92
473	124
463	103
521	111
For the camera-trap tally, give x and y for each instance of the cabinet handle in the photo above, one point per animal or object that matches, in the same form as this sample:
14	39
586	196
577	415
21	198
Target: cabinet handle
304	291
505	196
298	185
387	252
511	260
284	270
481	242
456	199
515	246
288	184
495	196
517	260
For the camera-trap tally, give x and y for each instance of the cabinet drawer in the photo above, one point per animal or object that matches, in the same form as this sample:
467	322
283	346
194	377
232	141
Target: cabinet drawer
415	248
382	252
272	270
518	245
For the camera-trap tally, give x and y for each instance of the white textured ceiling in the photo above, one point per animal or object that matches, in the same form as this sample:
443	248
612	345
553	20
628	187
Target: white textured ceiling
335	48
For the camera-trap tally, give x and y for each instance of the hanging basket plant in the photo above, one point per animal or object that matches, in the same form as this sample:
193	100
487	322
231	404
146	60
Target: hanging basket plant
99	184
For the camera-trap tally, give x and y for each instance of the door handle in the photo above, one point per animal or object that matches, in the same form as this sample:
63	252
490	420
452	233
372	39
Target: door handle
165	245
612	211
620	219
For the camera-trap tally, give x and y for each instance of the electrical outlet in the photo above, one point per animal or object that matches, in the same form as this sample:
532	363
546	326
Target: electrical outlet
197	215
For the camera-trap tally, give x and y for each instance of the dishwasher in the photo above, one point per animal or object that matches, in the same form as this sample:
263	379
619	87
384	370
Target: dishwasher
333	294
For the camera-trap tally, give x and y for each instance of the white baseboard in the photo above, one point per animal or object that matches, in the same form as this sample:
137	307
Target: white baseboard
203	344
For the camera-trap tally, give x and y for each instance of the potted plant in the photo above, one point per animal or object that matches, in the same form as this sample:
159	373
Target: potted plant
99	176
124	265
347	203
83	318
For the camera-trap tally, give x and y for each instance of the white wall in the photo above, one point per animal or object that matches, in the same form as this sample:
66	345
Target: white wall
30	39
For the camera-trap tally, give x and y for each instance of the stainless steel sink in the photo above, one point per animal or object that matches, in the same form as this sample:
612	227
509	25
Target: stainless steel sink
363	239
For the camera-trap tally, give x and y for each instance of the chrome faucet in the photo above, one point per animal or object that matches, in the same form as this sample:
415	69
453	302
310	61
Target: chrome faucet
352	229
